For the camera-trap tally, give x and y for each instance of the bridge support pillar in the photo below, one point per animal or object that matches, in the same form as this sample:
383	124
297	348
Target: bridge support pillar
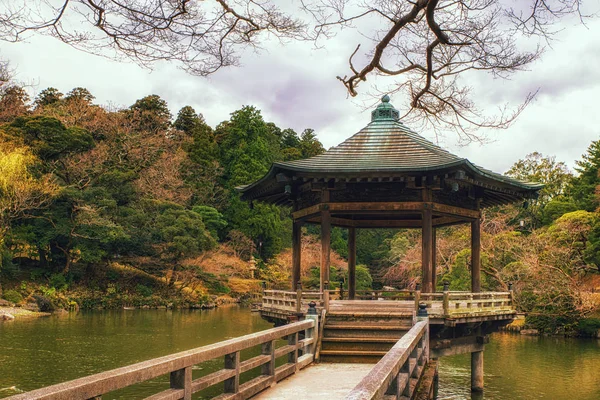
477	371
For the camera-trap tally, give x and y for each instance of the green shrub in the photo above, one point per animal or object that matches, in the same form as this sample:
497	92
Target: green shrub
13	296
44	303
588	327
58	281
143	290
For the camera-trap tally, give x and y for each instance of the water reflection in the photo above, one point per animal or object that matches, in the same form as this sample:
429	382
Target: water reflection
45	351
525	367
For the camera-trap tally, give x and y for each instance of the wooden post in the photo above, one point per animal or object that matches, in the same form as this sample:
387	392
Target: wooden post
417	297
476	256
182	379
298	299
351	263
325	245
446	303
296	252
426	249
232	361
433	259
477	371
268	348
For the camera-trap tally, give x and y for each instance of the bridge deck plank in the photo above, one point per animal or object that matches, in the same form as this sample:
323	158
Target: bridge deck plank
318	381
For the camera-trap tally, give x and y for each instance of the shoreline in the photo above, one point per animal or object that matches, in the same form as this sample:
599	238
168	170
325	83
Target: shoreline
12	313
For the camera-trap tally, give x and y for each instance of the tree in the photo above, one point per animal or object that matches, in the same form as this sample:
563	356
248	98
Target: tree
309	145
80	94
583	188
13	102
47	97
247	146
150	114
426	44
546	170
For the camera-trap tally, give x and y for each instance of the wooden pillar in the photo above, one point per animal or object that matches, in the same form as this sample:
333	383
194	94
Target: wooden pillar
325	246
477	371
351	263
426	239
476	256
296	253
433	259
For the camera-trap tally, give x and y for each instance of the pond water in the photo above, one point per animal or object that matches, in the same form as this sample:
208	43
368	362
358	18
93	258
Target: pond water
44	351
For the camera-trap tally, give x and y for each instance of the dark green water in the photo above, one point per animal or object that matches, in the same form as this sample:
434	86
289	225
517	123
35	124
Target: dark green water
45	351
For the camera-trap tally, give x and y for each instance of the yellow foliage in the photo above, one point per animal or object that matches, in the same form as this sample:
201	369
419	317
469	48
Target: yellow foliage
220	261
20	190
241	286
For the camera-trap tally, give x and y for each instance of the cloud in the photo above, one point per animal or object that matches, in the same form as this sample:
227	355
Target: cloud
295	86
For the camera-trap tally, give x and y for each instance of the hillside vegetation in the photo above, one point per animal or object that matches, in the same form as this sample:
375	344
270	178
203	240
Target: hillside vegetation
111	207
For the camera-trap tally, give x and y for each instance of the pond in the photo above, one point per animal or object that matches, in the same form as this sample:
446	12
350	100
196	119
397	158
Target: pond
40	352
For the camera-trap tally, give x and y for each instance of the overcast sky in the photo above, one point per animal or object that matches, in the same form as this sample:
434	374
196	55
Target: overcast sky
295	86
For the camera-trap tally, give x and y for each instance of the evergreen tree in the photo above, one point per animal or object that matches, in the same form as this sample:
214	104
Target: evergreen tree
583	187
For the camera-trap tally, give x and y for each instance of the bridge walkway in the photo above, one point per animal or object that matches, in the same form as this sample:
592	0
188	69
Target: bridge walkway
330	381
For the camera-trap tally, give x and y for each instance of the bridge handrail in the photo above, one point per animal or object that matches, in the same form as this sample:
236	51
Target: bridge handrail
179	366
393	373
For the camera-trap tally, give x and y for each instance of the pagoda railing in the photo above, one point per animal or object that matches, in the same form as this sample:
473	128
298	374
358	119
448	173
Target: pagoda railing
448	304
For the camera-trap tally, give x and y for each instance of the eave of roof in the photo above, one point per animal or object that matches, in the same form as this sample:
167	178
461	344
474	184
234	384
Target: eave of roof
386	147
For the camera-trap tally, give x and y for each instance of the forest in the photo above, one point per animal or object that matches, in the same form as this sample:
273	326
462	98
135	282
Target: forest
106	207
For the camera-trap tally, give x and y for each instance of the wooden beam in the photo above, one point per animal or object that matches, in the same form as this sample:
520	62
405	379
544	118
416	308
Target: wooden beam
296	253
307	212
387	223
325	242
351	263
426	240
476	256
455	211
363	207
433	259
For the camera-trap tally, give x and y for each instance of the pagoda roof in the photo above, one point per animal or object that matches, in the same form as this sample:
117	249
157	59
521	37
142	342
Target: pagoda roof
384	148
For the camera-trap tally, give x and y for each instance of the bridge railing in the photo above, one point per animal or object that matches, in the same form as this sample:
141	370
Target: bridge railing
439	304
284	300
299	353
397	373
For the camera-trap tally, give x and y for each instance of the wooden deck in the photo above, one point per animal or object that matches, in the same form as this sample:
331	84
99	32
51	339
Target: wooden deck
445	308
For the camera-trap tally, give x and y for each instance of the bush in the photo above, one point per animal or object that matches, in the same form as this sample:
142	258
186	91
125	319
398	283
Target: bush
44	303
143	290
58	281
13	296
588	327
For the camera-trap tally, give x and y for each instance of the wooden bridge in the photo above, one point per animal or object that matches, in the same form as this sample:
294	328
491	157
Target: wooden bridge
378	347
282	353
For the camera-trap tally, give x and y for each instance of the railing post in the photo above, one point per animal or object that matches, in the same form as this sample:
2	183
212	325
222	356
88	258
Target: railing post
232	361
417	296
341	288
268	349
293	356
182	379
299	299
314	331
446	303
326	295
510	294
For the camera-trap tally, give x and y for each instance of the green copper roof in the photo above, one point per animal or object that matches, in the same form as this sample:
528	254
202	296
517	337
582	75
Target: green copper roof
387	146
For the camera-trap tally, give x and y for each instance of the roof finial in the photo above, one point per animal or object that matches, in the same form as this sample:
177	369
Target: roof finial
385	111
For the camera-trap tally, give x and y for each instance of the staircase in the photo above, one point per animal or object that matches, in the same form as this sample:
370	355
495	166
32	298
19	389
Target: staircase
355	333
